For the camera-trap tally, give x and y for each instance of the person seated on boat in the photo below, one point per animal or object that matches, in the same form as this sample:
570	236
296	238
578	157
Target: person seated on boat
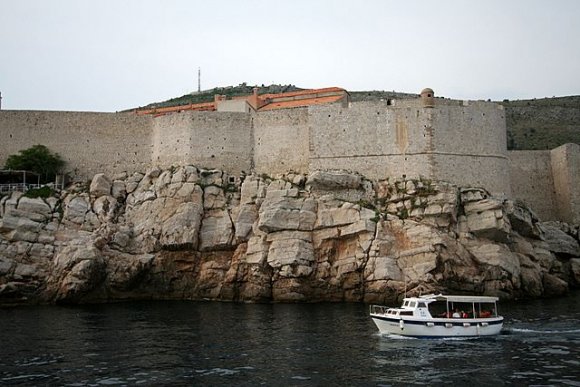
485	313
456	314
464	314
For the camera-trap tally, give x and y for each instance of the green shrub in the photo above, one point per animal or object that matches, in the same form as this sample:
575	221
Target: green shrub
38	159
42	192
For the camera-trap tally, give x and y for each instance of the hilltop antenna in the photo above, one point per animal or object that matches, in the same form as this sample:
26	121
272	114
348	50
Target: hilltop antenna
199	79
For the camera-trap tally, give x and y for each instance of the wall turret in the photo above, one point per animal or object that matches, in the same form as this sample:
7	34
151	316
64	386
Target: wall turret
428	98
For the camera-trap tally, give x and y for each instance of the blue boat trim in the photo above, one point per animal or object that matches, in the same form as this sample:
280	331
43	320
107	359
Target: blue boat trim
439	323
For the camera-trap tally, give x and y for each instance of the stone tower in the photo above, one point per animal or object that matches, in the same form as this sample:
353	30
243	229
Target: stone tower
428	98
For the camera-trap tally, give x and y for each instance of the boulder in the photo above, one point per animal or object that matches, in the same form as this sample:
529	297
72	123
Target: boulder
485	218
100	185
333	180
35	209
558	241
216	231
554	286
246	217
522	219
76	208
78	269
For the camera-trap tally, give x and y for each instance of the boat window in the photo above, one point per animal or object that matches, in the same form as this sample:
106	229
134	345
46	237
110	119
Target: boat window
422	305
406	303
412	304
438	309
406	313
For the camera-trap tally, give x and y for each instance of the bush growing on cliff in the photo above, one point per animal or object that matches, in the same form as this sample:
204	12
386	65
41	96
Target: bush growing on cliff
38	159
42	192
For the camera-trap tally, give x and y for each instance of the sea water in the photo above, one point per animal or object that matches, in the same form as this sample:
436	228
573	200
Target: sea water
194	343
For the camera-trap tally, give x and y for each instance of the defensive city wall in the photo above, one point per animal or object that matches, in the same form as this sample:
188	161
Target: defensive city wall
463	142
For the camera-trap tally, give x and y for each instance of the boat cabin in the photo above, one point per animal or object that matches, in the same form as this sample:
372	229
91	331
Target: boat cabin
441	306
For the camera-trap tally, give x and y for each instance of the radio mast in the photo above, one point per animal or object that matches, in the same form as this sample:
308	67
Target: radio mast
199	79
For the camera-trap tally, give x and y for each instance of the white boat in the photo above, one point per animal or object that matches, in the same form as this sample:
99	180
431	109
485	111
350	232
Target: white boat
440	316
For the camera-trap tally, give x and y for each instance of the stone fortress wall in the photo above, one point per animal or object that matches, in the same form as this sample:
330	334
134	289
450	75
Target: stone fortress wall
89	143
205	139
463	142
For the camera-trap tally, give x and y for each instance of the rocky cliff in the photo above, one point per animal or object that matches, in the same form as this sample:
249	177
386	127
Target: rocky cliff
187	233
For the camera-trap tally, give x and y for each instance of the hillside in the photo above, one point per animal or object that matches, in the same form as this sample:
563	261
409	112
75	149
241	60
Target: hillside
544	123
229	91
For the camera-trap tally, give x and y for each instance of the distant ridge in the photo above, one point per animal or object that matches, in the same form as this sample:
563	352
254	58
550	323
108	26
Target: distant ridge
543	123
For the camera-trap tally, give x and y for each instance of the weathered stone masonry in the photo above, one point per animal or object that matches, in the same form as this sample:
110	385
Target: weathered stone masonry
463	142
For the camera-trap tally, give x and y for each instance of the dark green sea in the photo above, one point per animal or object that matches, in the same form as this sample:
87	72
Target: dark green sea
211	344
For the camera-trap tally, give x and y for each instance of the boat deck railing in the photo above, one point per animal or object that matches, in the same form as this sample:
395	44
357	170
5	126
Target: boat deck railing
378	309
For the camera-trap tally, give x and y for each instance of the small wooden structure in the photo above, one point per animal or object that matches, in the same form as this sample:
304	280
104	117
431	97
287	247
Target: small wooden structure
12	180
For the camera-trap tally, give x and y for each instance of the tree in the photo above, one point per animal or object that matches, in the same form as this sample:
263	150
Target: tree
38	159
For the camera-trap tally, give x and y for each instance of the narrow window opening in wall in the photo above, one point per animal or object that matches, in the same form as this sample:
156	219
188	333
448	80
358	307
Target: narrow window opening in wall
177	140
222	148
406	159
389	102
10	136
232	179
329	116
404	176
378	113
212	156
136	154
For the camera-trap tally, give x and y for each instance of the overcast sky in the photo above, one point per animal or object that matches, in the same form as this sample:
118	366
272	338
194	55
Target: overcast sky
110	55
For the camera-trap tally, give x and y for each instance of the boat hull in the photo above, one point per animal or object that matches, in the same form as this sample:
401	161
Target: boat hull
444	327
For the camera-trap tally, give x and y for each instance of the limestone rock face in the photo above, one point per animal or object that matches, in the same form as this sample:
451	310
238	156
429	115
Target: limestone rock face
189	233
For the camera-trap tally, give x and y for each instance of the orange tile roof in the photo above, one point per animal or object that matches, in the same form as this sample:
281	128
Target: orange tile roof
288	100
304	92
301	102
207	106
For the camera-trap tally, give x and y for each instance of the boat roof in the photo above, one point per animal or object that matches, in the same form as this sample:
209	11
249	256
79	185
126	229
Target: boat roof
451	298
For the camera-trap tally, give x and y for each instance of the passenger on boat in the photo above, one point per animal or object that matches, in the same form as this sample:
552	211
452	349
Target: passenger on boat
485	313
456	314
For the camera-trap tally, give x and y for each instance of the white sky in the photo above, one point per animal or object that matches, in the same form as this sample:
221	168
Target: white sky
108	55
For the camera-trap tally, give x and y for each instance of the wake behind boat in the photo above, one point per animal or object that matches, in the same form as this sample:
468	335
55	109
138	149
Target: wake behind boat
440	316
